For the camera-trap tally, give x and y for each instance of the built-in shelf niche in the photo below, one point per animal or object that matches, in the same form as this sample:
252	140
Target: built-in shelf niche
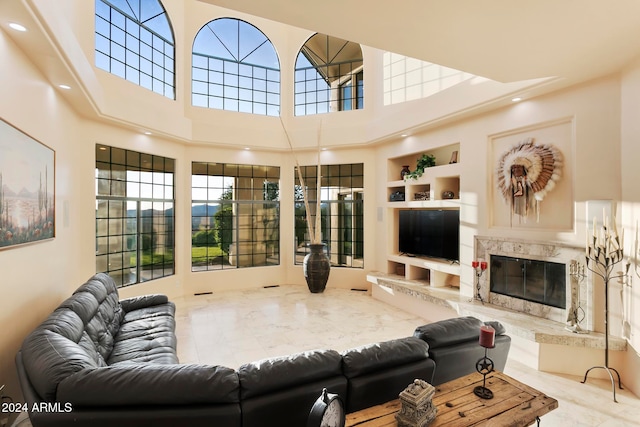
435	180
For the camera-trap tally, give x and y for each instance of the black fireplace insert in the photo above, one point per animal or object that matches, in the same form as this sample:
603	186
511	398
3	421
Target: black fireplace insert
532	280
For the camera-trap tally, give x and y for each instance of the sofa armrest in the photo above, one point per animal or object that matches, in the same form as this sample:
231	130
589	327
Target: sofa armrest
150	384
136	303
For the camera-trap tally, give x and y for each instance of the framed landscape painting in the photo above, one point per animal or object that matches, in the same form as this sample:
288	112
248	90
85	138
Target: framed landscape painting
27	188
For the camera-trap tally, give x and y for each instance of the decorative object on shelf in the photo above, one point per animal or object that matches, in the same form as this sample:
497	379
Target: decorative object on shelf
604	250
422	195
405	170
327	411
396	196
485	365
479	268
454	157
576	313
526	173
425	161
448	194
315	284
417	408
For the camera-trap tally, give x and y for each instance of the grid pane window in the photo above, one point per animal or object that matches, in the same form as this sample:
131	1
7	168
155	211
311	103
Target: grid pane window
134	215
134	41
342	212
235	67
235	216
406	79
327	71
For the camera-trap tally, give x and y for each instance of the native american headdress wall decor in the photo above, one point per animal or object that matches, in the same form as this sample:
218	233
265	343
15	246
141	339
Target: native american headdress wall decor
526	173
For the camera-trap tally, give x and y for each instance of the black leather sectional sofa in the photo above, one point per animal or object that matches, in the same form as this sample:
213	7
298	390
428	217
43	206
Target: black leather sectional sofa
103	361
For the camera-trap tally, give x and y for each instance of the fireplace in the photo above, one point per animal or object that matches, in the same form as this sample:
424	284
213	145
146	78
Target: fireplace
531	280
534	277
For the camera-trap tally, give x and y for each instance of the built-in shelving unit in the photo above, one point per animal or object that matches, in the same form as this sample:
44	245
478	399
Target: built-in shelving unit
437	188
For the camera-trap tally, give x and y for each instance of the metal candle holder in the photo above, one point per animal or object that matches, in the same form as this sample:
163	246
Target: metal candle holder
603	252
479	268
485	365
576	313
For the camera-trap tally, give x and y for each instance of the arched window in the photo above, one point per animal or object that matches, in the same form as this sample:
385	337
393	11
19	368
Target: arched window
235	67
134	40
329	76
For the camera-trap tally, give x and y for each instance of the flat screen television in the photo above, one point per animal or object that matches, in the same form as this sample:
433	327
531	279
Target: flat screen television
430	233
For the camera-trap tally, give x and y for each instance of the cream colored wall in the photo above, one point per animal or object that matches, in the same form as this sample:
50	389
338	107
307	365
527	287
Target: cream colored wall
630	209
36	277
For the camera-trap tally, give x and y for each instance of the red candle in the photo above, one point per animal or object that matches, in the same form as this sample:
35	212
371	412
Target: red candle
474	264
483	265
487	336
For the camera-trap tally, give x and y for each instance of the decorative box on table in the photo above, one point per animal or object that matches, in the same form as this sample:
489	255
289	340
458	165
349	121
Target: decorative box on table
417	408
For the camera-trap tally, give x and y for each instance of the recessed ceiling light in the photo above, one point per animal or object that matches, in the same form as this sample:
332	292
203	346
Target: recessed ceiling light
404	135
147	133
17	27
516	99
65	87
247	148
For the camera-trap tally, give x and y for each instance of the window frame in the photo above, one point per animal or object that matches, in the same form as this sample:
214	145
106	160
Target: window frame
252	88
122	238
155	69
319	77
342	190
254	212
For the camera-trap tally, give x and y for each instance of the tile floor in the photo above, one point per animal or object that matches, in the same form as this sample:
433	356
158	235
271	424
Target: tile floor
234	327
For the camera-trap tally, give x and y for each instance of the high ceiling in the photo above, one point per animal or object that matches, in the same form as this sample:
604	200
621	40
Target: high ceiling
504	40
539	45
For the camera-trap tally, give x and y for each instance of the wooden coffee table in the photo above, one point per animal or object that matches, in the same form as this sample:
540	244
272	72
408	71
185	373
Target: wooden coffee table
513	404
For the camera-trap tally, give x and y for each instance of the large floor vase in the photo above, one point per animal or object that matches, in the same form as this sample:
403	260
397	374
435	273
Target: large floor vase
316	267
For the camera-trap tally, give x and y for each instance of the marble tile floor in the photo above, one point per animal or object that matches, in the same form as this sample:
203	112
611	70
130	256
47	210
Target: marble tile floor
234	327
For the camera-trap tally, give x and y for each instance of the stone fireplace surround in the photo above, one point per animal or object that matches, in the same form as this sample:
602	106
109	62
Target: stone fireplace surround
578	292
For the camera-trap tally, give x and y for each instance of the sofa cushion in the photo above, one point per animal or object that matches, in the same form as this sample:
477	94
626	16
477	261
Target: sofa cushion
375	357
149	384
97	304
280	373
460	359
378	372
167	309
142	301
449	332
146	335
49	356
155	345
